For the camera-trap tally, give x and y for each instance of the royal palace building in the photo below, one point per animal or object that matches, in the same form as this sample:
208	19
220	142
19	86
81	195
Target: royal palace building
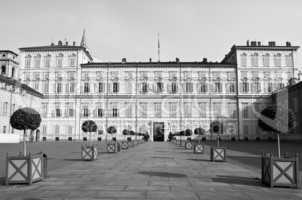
155	97
13	95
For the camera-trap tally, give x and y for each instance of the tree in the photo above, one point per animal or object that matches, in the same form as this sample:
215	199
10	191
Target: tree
188	132
111	130
216	127
199	131
276	120
89	126
24	119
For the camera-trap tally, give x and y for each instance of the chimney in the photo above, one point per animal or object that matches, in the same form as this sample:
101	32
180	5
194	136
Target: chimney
204	60
66	43
288	44
73	43
150	59
247	43
60	43
253	43
124	60
259	43
271	43
177	60
52	44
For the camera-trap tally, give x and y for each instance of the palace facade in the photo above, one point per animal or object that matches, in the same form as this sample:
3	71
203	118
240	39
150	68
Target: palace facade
152	97
13	95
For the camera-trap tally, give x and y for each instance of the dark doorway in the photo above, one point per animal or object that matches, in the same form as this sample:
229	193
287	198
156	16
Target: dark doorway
158	132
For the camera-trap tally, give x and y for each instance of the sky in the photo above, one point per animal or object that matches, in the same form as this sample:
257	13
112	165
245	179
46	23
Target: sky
189	29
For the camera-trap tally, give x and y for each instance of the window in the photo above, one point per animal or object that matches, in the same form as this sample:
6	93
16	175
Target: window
157	109
101	87
28	61
13	72
269	86
3	70
5	108
100	112
57	130
231	87
254	60
72	60
128	111
115	87
243	60
86	88
245	86
37	61
218	87
277	60
189	87
203	108
36	85
217	109
144	87
245	110
71	87
143	110
289	60
70	111
172	109
114	112
60	60
266	60
187	109
59	88
58	112
159	87
231	109
203	87
45	87
47	59
174	87
85	111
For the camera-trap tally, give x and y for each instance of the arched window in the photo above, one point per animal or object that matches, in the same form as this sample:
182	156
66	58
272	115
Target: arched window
266	60
254	60
60	60
277	60
3	70
289	60
47	60
37	60
28	61
72	60
243	60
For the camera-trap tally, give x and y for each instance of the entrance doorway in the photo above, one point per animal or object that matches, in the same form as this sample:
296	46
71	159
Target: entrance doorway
158	132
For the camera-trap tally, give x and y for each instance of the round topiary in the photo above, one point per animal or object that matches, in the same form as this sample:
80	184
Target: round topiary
89	126
111	130
188	132
126	132
216	127
199	131
25	118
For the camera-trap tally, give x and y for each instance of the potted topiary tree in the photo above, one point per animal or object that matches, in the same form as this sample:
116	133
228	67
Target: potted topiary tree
88	150
100	133
188	143
124	144
26	167
198	146
112	146
277	170
217	153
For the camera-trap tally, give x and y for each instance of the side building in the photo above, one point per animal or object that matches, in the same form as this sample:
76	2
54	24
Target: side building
13	95
155	97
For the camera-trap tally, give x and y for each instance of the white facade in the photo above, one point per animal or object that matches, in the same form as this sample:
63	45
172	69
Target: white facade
137	96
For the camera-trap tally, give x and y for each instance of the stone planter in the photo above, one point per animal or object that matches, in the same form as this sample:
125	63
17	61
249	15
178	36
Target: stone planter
280	172
218	154
124	145
113	147
25	169
188	145
89	153
198	148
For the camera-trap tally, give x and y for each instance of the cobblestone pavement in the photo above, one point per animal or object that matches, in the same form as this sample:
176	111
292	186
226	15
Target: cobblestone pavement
150	171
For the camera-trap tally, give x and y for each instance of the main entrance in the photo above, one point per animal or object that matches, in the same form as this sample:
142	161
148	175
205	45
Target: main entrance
158	132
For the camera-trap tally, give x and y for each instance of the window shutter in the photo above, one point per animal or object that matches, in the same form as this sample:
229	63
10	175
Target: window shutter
67	88
95	88
82	88
54	88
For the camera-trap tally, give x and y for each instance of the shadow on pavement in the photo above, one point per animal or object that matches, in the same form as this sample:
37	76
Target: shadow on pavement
74	159
238	180
163	174
199	160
